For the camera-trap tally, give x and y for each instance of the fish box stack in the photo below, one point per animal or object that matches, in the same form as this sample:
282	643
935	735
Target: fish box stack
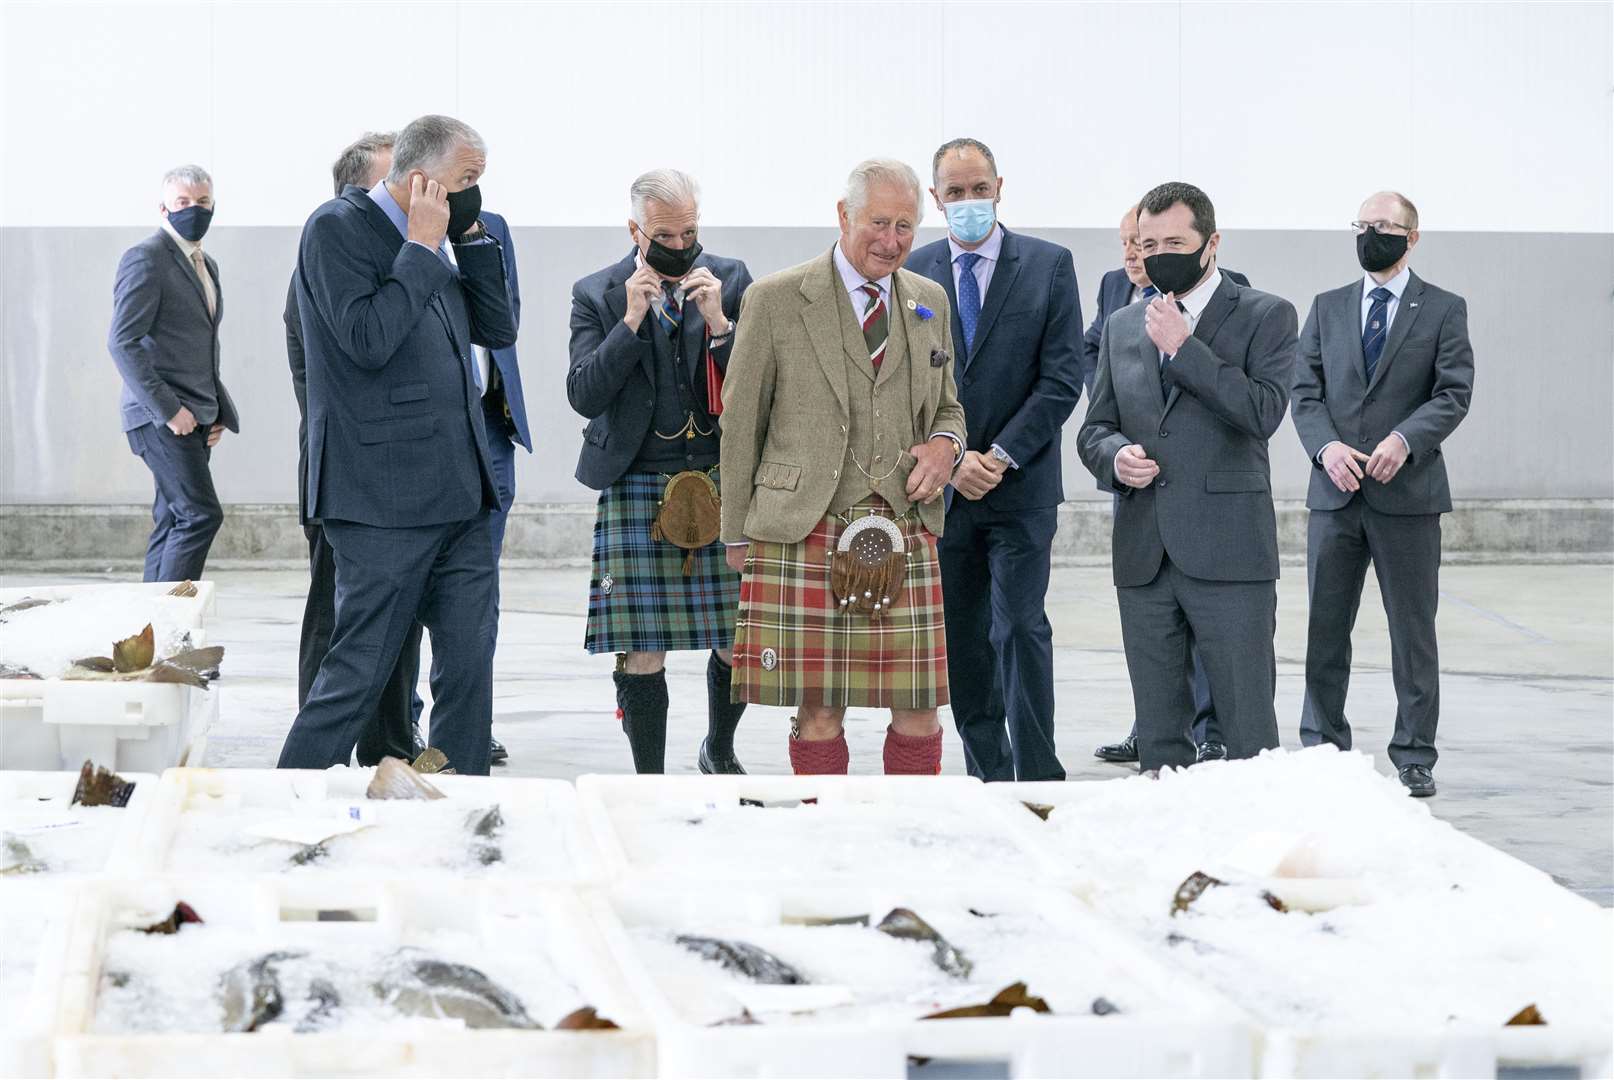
831	926
1364	935
365	922
58	832
119	673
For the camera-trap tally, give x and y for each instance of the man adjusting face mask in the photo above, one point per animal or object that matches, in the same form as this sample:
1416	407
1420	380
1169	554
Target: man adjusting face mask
1176	271
671	262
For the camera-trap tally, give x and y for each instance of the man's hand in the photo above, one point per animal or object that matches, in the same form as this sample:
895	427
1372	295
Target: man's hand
428	212
644	292
1387	459
1167	327
1134	467
1340	463
182	422
933	466
707	292
214	434
734	555
976	476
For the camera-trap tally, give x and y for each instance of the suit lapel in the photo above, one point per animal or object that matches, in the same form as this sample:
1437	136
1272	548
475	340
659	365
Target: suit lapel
218	290
896	349
853	343
616	306
1405	314
187	268
1003	275
944	278
1350	328
821	317
1222	303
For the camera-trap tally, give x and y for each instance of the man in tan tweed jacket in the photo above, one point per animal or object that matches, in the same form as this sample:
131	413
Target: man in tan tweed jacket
839	404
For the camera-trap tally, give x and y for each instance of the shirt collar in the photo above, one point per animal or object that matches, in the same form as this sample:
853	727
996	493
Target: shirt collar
1397	285
389	206
988	251
1197	299
854	281
187	247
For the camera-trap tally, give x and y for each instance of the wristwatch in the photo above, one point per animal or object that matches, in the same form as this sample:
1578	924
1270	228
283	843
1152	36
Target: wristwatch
728	332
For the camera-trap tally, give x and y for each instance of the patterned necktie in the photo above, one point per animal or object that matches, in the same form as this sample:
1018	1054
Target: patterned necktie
969	297
669	312
200	263
1376	329
1149	293
875	325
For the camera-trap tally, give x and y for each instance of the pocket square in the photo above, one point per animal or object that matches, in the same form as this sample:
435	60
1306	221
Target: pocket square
938	357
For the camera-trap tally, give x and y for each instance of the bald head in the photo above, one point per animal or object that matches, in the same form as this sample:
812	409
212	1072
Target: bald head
1131	256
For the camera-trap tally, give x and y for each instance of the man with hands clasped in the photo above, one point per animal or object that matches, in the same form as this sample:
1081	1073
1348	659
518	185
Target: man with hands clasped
1385	376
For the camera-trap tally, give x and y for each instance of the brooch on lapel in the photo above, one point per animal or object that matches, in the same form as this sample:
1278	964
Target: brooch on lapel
938	358
924	313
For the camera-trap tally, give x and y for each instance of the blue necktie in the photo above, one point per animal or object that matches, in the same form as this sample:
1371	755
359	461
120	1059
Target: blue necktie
1149	292
669	313
1376	330
969	297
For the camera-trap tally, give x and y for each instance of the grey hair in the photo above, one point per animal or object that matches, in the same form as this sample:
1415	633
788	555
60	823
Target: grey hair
189	175
671	186
428	141
882	171
355	163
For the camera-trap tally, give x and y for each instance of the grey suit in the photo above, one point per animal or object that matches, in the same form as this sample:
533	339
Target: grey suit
166	348
1197	550
1421	388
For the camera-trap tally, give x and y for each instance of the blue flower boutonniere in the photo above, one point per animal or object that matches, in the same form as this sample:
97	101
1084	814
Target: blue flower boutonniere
924	313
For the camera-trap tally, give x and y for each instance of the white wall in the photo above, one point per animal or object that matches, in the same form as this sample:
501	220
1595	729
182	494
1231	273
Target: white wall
1490	115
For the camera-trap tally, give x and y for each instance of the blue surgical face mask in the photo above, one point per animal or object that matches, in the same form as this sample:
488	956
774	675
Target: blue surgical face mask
971	220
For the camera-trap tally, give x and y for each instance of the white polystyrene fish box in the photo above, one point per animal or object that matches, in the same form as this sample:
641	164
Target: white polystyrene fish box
342	977
858	1002
1406	945
300	823
44	837
36	917
51	724
821	828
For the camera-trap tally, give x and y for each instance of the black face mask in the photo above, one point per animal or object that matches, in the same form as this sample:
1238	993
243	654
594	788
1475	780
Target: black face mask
1175	271
672	262
1379	251
191	222
464	207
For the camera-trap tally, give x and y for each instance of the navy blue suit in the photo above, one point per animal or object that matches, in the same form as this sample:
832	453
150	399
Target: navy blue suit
399	471
1115	293
166	346
1018	384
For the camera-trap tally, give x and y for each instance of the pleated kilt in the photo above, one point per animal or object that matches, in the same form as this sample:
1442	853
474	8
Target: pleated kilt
638	598
793	644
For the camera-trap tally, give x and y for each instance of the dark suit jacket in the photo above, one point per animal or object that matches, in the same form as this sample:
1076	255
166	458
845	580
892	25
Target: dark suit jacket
162	340
1115	293
395	432
504	358
1210	508
1021	381
611	381
509	370
1421	388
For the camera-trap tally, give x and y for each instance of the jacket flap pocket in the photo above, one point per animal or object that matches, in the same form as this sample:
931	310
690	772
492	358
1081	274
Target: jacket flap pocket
777	475
415	391
597	434
1235	481
397	430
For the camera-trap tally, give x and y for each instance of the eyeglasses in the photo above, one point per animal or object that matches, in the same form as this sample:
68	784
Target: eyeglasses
1394	227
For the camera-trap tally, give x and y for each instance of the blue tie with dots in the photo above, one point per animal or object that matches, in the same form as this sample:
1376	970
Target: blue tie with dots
1376	329
969	297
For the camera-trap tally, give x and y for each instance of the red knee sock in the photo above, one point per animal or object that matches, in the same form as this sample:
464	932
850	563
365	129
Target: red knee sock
912	755
827	758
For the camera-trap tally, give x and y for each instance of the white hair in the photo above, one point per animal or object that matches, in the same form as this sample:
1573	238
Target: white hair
187	175
882	171
671	186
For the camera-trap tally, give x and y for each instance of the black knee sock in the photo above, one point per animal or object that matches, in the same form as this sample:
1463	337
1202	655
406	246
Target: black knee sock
722	715
642	700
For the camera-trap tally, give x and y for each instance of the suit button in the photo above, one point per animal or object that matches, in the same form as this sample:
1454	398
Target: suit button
1164	433
1162	483
836	475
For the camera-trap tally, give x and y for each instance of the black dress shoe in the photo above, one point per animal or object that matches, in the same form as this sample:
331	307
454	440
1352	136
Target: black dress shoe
729	765
497	755
1210	751
419	746
1418	781
1125	750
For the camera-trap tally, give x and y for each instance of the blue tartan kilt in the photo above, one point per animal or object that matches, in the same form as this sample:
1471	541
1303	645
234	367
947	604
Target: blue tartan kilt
639	598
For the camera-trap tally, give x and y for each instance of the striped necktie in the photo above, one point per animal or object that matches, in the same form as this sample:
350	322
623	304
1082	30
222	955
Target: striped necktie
1377	328
876	326
670	313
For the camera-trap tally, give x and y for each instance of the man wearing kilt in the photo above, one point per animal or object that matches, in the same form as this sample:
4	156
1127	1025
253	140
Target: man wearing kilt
841	428
651	337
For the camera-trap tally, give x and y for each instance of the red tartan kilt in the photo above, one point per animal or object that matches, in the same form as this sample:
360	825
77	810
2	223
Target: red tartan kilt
794	645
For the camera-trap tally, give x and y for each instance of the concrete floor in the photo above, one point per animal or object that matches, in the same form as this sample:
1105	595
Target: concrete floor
1527	732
